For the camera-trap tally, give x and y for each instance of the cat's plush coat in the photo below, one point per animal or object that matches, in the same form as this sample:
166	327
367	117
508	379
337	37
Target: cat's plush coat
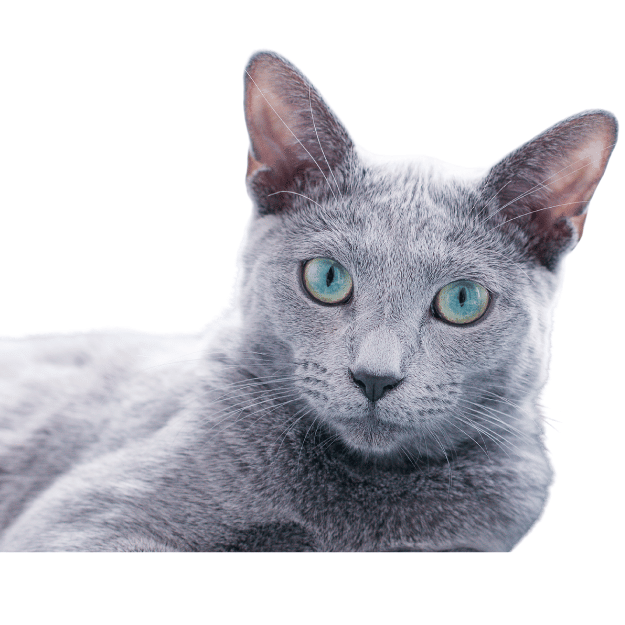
266	435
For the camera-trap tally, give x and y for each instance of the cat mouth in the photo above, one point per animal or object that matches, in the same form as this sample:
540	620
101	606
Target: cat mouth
370	432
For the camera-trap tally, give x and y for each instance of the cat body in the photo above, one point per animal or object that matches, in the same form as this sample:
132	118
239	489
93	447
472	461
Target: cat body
129	453
305	421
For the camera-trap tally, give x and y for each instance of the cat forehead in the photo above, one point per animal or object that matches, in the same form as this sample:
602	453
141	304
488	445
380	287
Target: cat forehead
404	198
418	179
411	213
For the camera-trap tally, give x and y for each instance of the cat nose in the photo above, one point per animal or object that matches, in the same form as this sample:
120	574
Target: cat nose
374	386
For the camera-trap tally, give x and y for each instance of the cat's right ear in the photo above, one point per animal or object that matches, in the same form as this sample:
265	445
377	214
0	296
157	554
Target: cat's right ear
295	139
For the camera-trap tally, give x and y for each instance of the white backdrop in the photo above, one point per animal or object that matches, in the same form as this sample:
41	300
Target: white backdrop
123	156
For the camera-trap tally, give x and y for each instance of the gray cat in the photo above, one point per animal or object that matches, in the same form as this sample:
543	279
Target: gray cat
375	387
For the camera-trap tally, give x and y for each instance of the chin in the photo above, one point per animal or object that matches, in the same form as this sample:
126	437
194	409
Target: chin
371	437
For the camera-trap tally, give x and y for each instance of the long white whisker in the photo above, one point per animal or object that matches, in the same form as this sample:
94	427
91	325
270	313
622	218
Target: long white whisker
408	456
287	127
234	409
294	422
446	457
537	210
542	185
302	445
312	116
469	436
495	422
492	198
484	428
293	193
492	396
511	427
278	404
249	394
327	442
243	384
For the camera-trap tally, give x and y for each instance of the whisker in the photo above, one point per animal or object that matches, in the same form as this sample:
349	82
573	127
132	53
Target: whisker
277	395
302	445
312	116
265	394
243	384
469	436
491	199
496	423
520	432
483	431
445	454
427	449
504	400
261	412
479	190
408	456
293	193
537	210
542	185
237	408
294	135
327	442
293	423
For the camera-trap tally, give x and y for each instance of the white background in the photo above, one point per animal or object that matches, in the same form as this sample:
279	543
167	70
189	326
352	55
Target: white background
123	205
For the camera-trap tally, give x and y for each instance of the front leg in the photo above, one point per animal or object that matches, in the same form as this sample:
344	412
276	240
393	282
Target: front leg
114	505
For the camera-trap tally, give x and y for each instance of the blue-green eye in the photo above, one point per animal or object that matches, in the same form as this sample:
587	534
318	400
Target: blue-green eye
327	281
461	302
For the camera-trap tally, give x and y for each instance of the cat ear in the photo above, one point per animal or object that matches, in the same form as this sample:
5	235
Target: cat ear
546	184
295	139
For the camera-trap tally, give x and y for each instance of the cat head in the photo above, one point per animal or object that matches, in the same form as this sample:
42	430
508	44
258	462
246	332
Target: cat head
399	298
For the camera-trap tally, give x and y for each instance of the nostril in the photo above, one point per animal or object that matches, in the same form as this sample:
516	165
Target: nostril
390	387
374	387
360	384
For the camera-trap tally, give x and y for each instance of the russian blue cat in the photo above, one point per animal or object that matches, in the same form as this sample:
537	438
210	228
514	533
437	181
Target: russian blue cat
374	389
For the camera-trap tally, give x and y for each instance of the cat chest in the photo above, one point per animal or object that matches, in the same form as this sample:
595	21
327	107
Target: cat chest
477	509
368	514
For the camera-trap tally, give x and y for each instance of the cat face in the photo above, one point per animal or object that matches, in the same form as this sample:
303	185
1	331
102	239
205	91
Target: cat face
407	303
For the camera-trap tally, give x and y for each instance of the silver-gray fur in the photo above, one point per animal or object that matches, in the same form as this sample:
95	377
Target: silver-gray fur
257	437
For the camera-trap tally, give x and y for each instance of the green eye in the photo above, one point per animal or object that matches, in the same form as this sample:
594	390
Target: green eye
327	281
461	302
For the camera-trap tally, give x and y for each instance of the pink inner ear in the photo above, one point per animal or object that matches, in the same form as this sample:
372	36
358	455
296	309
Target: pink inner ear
270	120
547	183
273	122
571	188
295	139
252	165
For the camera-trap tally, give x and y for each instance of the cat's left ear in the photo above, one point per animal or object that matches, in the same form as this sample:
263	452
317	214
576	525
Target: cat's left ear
295	139
545	186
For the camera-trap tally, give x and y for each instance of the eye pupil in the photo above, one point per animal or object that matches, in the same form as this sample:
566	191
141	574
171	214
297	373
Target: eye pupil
327	281
462	296
330	276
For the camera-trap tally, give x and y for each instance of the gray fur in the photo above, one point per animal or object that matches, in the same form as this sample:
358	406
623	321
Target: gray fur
256	437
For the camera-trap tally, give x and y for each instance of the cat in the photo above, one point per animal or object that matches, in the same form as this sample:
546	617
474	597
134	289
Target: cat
373	389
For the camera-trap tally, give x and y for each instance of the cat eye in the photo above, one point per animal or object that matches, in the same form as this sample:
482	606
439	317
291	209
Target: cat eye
461	302
327	281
